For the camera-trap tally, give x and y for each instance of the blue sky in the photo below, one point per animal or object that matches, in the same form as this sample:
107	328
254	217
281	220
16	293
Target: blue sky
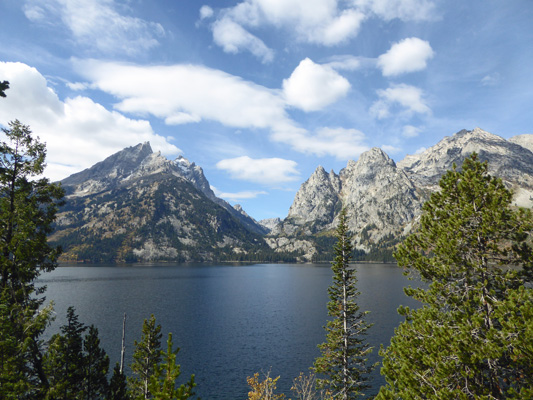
261	92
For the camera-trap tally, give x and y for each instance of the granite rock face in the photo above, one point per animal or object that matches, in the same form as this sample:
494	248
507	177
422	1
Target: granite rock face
383	199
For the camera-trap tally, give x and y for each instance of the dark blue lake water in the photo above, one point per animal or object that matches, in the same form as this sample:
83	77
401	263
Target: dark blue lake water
229	321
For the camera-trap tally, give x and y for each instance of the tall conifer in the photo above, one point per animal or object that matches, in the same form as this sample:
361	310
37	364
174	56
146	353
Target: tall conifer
146	356
343	366
28	206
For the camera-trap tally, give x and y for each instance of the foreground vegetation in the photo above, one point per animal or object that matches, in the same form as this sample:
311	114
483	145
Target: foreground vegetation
470	340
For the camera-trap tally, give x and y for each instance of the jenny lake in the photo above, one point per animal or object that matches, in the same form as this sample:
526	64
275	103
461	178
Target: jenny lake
229	321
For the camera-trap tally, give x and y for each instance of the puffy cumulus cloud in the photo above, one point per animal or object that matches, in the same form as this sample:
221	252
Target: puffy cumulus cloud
343	144
408	97
408	55
238	196
233	38
406	10
410	131
267	171
96	24
313	86
78	132
322	22
186	93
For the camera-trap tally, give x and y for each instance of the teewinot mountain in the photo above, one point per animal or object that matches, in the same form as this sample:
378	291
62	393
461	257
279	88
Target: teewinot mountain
138	206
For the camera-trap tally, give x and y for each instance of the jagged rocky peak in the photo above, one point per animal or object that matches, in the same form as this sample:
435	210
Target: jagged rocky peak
118	164
194	174
377	193
368	165
510	161
316	199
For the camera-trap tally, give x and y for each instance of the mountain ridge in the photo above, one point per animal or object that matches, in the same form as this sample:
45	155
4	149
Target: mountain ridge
138	206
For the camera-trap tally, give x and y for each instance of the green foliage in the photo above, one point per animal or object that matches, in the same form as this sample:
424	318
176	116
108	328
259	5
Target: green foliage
146	357
27	209
118	389
163	383
343	362
4	85
471	340
95	367
64	360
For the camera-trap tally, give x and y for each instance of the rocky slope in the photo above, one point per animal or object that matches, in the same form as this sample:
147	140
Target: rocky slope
384	199
138	206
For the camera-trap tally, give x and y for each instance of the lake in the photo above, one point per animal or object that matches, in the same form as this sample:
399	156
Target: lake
229	321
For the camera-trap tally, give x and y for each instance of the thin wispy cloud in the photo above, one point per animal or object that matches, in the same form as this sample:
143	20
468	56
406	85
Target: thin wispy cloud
97	25
269	171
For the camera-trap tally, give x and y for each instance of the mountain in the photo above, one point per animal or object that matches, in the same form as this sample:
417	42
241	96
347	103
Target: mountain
138	206
384	199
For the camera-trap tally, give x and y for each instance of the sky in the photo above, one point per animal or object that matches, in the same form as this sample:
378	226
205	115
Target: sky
259	93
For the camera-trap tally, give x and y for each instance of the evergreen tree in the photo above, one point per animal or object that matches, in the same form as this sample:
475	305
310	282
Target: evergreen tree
472	337
27	210
96	366
117	385
163	385
4	85
65	360
344	354
146	356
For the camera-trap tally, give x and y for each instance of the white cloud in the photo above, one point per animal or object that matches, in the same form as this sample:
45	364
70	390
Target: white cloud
206	12
269	171
78	132
350	63
97	25
180	92
238	196
321	22
406	10
233	38
420	150
491	79
390	149
406	96
411	131
312	87
343	144
408	55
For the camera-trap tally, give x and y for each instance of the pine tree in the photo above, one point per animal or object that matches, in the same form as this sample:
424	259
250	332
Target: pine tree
472	337
344	354
65	361
95	367
163	383
27	210
146	356
117	385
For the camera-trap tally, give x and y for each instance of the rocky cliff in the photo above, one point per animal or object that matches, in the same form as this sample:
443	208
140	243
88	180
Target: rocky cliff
384	199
